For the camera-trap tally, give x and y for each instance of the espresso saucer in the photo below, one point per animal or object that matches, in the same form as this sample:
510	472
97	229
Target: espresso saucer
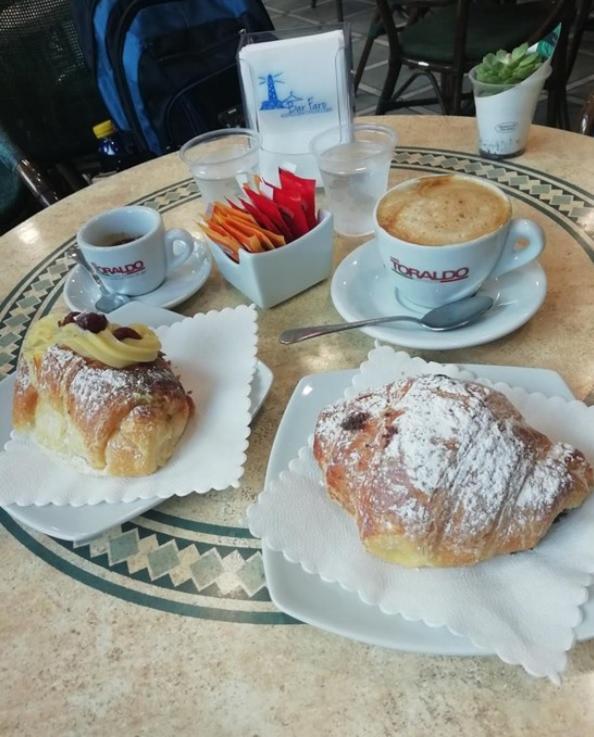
81	293
362	288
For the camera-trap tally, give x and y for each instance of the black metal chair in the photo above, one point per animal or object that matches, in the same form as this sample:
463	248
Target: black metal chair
454	36
583	22
376	29
339	9
29	174
587	120
17	175
12	193
48	98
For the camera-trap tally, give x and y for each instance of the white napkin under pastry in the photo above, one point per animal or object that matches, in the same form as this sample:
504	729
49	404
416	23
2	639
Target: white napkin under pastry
214	355
523	607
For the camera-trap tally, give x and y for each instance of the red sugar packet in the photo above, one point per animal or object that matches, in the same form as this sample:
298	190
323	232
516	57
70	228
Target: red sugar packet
306	188
266	219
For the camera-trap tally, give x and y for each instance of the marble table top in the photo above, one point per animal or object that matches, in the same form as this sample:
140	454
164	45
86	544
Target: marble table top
164	625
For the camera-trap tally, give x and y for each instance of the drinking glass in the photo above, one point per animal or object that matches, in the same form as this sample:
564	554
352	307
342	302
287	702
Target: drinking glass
354	161
222	161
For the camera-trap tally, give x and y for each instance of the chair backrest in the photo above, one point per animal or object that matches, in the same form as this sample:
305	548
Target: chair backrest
25	171
583	22
586	125
48	99
561	11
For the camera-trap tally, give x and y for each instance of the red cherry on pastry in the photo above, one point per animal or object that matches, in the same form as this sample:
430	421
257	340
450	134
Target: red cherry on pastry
70	317
91	321
124	332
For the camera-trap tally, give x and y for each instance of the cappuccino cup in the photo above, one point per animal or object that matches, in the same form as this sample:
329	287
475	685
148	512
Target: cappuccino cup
441	237
130	250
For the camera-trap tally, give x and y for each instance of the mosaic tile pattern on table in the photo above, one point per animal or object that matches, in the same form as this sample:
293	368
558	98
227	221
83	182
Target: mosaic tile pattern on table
219	574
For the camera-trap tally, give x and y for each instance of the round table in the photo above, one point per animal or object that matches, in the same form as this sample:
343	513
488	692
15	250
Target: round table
126	634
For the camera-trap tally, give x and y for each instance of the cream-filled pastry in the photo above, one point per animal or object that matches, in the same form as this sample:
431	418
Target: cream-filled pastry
93	390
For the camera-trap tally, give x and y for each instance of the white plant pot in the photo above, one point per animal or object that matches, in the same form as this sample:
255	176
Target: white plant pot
504	113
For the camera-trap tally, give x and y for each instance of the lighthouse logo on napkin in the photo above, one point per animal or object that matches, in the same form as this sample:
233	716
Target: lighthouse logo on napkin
292	104
294	88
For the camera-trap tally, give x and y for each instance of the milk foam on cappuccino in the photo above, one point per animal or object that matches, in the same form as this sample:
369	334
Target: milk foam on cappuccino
443	210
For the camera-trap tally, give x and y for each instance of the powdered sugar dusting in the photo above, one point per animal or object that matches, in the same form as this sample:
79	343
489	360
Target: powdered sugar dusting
94	386
452	445
92	399
542	484
442	449
337	440
331	419
23	377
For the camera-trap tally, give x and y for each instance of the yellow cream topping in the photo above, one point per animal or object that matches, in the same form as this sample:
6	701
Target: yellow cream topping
102	346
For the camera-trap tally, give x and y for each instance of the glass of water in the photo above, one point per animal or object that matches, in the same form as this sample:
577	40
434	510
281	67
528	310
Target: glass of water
354	161
222	161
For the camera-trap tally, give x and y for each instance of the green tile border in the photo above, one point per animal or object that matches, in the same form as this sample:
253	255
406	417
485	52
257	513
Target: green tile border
134	597
194	526
509	165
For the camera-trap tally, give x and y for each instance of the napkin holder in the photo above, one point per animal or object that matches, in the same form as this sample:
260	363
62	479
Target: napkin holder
274	276
287	103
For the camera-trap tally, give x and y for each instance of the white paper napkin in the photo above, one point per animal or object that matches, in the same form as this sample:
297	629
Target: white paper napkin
523	607
215	356
294	88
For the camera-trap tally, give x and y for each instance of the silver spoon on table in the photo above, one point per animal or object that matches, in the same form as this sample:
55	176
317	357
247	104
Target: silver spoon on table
447	317
108	301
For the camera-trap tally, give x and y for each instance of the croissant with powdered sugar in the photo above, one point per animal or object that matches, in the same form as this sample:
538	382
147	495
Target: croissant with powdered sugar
441	472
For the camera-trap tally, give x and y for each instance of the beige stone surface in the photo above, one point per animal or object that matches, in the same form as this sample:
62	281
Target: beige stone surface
76	662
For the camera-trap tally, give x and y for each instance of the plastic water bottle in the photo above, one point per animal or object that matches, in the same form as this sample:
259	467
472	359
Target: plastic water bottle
116	153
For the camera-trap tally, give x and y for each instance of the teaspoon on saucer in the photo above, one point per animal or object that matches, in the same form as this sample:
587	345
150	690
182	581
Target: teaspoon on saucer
447	317
108	301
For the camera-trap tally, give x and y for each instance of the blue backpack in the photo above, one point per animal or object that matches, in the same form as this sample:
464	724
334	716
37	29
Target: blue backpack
166	69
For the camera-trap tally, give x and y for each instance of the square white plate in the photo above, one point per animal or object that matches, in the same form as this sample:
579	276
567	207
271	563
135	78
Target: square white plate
326	605
81	523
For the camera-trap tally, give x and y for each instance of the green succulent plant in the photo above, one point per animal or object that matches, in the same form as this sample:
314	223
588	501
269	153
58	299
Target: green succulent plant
508	68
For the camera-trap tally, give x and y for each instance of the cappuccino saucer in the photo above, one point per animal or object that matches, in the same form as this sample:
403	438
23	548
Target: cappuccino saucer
362	288
81	293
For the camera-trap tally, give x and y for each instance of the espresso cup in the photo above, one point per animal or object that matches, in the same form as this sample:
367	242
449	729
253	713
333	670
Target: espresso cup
450	265
130	250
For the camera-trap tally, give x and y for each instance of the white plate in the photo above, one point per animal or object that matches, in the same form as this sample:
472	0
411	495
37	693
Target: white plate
78	523
362	288
326	605
81	293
